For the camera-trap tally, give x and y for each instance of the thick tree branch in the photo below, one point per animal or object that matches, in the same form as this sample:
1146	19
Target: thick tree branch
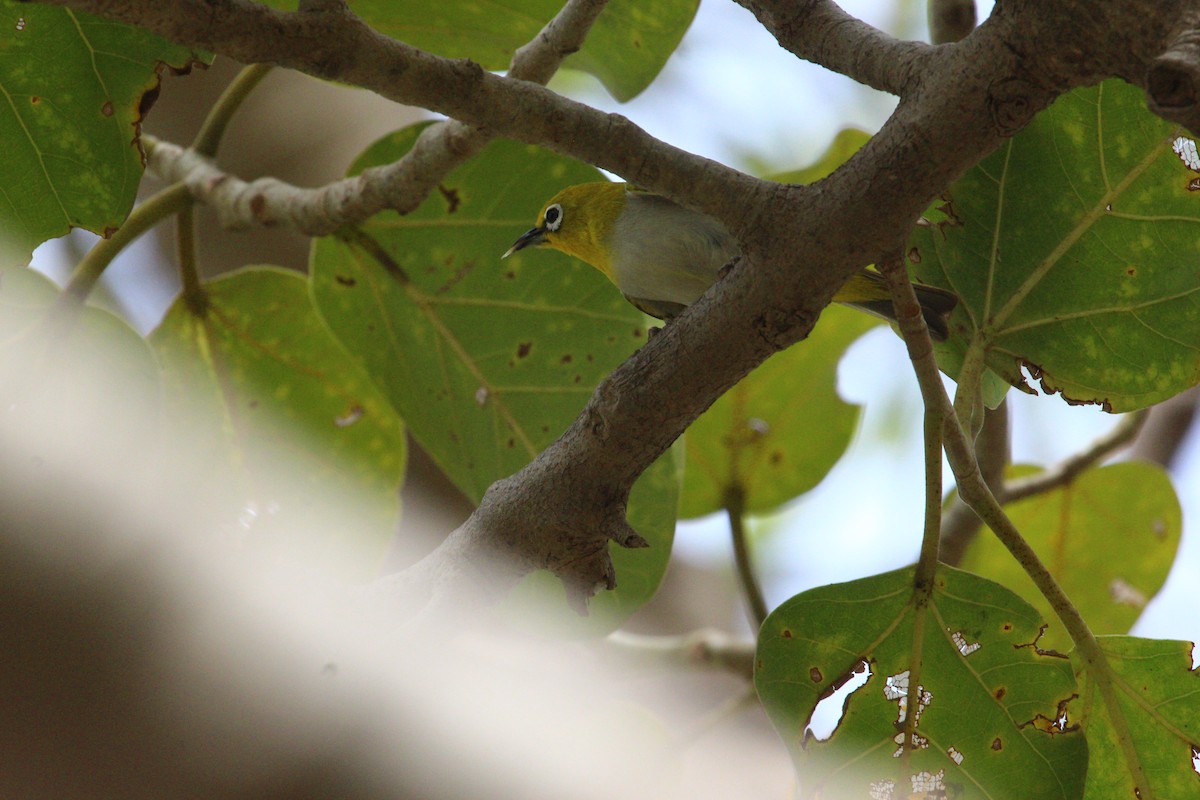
800	243
821	32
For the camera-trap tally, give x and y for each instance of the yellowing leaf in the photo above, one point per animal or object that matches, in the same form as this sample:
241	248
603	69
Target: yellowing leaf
1074	248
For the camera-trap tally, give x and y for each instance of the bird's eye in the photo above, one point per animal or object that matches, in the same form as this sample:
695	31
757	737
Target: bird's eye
553	217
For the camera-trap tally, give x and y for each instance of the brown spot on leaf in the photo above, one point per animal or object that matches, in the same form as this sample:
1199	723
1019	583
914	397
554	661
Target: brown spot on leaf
566	359
786	633
999	693
997	745
345	280
914	255
815	675
512	443
578	379
1131	271
775	458
453	201
35	99
107	109
523	349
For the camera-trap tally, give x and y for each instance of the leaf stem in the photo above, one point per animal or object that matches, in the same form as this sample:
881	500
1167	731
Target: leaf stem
920	351
208	140
206	143
975	492
189	271
141	219
993	451
756	604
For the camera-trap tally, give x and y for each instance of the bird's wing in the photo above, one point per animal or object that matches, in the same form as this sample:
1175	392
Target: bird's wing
659	309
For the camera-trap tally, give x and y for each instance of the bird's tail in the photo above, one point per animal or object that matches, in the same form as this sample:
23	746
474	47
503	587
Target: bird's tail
867	291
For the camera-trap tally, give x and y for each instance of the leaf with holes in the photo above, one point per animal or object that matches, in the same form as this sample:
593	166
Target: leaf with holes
1155	687
304	439
488	361
626	48
991	704
76	89
1109	537
1074	248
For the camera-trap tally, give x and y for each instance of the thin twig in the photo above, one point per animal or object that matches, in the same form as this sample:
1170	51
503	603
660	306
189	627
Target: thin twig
1062	474
756	604
402	185
706	648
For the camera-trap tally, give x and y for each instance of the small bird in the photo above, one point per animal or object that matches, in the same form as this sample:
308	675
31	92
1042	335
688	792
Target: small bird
663	256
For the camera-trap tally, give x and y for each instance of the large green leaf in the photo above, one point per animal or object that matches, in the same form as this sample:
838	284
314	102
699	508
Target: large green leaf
487	361
989	695
1073	248
296	433
1156	689
73	90
626	48
1109	537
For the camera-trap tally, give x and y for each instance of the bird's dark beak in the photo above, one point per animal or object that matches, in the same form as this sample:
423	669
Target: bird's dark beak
532	236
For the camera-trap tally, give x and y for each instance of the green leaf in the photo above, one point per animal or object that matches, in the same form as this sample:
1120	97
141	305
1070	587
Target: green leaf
73	88
778	432
1109	538
846	143
303	434
488	361
990	695
1072	247
626	48
1156	690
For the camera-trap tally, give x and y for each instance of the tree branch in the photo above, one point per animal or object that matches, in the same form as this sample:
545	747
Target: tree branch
821	32
800	243
401	186
706	648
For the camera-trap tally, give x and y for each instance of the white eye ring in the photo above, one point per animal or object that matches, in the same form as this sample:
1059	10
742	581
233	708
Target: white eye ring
552	219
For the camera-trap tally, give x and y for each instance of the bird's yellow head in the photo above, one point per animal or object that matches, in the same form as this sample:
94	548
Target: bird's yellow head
579	221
